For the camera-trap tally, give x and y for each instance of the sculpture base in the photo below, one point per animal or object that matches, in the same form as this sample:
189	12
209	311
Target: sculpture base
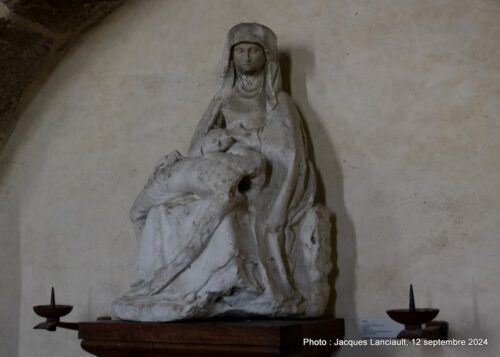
210	338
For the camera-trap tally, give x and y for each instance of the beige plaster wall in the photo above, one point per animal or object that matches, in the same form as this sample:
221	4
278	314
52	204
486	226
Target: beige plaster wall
401	99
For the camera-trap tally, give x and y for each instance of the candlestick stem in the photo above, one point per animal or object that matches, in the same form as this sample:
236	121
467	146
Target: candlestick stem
52	298
412	299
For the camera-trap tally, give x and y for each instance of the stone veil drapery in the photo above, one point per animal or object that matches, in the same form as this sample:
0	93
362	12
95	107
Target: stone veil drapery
234	231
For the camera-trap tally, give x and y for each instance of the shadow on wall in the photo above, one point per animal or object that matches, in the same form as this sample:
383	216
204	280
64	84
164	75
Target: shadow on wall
342	226
11	197
10	277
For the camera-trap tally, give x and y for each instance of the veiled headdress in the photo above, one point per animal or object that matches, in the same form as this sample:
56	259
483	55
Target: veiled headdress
265	37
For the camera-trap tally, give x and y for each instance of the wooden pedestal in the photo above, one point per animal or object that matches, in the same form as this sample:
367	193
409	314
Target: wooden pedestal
214	338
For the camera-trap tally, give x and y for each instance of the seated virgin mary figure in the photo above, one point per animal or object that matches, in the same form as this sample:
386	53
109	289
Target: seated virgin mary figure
232	228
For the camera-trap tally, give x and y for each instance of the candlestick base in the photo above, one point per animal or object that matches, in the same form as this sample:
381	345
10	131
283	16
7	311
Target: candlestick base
413	320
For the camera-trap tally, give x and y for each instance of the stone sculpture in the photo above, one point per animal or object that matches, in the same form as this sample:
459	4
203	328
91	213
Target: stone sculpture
232	229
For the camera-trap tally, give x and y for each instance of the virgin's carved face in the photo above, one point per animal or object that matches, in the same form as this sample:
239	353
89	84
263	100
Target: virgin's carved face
249	58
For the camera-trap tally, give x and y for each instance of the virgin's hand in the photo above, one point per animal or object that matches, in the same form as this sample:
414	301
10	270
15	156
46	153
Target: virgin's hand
248	137
216	140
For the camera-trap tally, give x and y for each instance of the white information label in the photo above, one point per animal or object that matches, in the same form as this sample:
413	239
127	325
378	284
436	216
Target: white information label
379	328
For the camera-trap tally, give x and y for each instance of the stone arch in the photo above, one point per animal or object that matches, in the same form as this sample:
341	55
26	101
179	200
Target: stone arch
34	35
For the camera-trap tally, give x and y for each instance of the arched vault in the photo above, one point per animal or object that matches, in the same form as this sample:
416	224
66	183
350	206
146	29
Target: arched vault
34	35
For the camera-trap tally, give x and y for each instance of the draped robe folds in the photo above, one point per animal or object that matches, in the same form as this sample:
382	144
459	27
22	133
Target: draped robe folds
217	252
233	232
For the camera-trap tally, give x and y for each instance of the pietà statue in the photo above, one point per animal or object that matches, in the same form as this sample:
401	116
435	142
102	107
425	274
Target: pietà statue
232	228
